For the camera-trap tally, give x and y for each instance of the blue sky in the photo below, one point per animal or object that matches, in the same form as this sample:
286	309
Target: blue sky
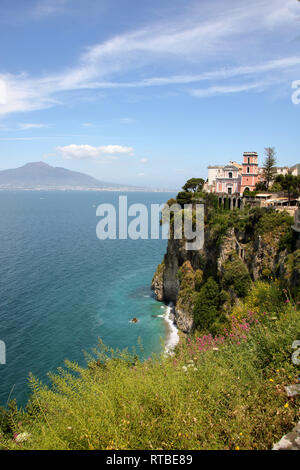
147	92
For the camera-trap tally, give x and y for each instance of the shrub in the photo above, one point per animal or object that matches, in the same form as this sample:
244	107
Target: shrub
206	305
184	197
236	277
225	394
264	299
198	279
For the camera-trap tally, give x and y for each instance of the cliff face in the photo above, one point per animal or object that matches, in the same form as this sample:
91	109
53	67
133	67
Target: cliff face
167	284
262	255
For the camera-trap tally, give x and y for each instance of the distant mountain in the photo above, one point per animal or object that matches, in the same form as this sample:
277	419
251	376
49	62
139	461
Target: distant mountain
40	175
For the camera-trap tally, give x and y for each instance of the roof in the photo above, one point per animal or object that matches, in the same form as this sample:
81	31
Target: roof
230	167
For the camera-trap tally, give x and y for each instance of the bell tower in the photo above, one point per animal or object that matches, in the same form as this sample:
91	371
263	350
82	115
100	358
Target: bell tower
249	171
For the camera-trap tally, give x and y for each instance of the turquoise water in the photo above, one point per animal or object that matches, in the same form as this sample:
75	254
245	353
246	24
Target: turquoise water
61	288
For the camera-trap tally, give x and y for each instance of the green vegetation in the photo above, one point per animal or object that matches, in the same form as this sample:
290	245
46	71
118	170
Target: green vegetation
288	183
187	278
184	197
269	169
215	393
224	386
206	310
252	221
195	184
236	276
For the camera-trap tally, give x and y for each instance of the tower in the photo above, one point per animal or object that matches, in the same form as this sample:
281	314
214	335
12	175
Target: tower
249	171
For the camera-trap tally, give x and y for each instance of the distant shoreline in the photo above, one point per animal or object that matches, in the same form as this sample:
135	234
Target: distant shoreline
122	189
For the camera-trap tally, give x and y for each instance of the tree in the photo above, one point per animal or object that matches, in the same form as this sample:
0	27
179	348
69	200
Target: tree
206	305
195	184
261	186
289	183
183	197
236	276
269	169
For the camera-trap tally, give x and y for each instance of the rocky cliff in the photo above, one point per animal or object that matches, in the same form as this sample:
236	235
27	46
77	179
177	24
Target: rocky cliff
257	253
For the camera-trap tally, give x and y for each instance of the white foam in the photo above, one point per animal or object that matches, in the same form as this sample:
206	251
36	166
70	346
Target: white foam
172	333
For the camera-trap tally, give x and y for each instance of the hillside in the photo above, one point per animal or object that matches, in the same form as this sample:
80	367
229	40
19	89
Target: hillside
40	175
225	392
240	246
226	385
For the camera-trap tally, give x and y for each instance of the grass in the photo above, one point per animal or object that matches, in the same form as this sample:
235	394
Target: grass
228	395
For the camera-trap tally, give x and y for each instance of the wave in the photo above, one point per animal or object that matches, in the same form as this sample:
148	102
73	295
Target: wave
172	336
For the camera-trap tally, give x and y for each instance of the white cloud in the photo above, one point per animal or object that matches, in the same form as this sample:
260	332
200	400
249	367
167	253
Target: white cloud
49	7
220	90
141	174
88	124
3	94
127	120
105	152
223	31
143	160
27	126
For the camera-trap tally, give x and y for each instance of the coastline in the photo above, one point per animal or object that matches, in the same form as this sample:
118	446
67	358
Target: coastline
172	332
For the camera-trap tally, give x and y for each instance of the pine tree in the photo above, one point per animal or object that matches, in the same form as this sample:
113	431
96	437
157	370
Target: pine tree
269	169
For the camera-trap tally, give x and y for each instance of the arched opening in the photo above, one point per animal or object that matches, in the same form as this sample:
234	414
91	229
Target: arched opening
230	174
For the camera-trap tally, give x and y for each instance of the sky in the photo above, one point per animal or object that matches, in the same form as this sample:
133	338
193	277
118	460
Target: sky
148	92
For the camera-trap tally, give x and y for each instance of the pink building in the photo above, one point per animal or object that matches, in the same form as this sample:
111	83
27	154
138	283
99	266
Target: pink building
228	180
250	171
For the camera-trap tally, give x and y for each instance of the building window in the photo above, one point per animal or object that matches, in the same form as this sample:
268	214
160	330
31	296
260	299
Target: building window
248	169
229	190
230	174
248	160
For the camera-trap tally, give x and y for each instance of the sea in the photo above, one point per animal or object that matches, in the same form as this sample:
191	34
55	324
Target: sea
62	288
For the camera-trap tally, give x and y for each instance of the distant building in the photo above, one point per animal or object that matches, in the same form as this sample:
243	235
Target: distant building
295	170
282	170
213	172
250	171
238	178
218	172
228	180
